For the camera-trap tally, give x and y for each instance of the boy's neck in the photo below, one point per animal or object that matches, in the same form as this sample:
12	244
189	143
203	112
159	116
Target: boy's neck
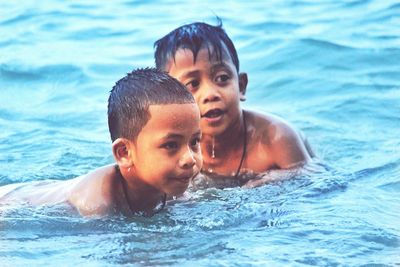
140	197
218	148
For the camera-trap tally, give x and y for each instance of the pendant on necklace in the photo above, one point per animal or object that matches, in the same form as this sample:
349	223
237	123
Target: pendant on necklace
213	149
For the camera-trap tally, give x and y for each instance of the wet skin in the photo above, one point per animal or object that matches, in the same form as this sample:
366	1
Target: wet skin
166	154
218	89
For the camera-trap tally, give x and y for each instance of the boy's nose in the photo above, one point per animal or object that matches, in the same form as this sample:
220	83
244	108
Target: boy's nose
211	95
188	159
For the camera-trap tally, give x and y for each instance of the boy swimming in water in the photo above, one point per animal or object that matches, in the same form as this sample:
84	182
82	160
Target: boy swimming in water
154	126
234	141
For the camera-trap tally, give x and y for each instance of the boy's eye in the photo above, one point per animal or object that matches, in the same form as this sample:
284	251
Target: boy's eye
192	85
195	142
170	145
222	78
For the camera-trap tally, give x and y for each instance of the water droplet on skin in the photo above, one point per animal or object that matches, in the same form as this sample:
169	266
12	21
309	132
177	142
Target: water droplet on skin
213	148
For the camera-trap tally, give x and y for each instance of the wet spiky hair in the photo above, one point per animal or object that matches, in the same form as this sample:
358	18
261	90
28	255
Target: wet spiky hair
130	98
194	36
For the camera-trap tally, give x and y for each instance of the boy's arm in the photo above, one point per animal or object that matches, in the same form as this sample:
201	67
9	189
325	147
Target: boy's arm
307	144
272	176
289	152
288	147
92	195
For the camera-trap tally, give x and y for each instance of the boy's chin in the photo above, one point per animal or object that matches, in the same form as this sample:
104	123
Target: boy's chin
214	132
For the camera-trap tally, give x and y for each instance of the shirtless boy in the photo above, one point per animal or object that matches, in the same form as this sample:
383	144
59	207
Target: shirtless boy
234	141
154	125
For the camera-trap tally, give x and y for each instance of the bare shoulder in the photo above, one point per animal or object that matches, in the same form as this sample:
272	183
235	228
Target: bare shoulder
272	128
92	194
281	139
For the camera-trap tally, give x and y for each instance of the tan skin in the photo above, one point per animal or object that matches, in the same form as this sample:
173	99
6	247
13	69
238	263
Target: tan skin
218	89
162	159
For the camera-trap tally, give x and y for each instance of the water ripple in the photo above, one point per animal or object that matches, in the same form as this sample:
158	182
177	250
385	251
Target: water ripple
325	44
53	72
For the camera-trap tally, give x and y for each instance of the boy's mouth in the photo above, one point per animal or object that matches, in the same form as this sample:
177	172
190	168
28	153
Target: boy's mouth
213	115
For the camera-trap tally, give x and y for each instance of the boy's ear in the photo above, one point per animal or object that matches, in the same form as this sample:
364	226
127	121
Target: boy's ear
121	152
243	85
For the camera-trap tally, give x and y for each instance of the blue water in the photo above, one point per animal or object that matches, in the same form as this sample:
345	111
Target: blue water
329	67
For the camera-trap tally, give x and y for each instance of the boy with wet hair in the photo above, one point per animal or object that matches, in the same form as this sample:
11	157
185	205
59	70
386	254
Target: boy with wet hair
235	141
154	126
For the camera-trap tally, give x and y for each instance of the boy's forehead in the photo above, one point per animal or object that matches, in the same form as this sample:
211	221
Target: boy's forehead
173	115
176	110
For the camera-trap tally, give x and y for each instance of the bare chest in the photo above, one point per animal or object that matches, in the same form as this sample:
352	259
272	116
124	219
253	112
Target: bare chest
255	159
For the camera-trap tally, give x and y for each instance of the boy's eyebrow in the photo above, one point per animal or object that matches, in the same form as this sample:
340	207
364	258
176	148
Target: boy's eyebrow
190	73
180	136
220	65
197	133
172	136
214	68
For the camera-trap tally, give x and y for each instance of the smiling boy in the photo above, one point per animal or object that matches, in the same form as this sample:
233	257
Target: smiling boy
235	141
154	125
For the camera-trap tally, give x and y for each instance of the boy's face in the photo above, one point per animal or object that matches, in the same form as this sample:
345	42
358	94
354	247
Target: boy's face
215	84
167	151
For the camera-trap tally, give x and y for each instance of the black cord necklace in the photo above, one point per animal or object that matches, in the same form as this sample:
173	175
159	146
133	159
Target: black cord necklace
163	200
244	145
244	148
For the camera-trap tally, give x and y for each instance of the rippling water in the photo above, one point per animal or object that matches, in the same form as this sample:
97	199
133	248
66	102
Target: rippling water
331	68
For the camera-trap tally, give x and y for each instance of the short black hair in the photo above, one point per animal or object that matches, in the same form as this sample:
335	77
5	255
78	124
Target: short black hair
130	98
193	36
